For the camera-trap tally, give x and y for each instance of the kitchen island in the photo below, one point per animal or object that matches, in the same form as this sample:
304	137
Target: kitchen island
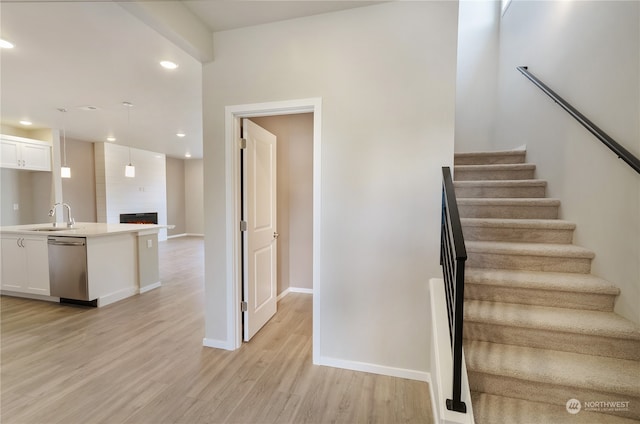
121	259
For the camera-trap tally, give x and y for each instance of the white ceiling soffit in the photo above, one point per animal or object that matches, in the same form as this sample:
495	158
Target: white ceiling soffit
225	15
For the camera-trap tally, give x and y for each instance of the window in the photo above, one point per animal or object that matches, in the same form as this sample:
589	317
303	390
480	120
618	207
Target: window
505	5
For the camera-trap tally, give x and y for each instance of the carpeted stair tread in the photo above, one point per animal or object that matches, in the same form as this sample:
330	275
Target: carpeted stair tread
532	202
496	167
518	230
500	183
571	370
500	156
606	324
529	249
552	224
556	281
494	409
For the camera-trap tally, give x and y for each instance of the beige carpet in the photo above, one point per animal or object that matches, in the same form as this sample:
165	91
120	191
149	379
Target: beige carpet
542	342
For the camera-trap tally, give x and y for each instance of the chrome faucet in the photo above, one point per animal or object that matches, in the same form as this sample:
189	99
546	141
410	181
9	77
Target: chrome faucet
70	221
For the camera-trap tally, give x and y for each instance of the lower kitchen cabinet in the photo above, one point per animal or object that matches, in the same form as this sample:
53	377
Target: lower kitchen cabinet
25	264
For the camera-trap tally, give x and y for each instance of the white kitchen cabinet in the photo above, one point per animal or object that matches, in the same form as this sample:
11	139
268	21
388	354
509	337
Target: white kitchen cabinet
24	153
25	264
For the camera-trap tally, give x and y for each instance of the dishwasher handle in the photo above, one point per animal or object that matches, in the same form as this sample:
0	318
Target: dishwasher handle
57	242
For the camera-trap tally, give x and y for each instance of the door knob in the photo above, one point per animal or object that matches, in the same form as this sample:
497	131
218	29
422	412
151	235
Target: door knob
276	235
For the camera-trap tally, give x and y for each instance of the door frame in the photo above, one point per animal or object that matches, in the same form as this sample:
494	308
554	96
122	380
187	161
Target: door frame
233	117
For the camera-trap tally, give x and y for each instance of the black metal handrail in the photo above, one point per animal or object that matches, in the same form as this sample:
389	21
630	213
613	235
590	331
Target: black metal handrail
453	255
619	150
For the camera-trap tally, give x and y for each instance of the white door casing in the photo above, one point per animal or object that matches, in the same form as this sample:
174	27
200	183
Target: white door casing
233	281
260	238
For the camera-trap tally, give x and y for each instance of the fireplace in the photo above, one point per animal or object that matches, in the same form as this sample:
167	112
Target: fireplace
139	218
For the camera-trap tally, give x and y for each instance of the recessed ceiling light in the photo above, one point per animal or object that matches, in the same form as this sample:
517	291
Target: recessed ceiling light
187	155
111	139
4	44
167	64
27	123
88	108
180	134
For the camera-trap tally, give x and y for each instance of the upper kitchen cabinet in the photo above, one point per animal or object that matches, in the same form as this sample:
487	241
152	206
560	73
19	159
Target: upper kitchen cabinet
24	153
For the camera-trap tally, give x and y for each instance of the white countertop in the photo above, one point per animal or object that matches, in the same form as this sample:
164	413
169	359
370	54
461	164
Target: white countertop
81	229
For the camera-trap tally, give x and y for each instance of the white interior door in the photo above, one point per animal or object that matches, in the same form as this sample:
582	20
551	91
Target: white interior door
260	238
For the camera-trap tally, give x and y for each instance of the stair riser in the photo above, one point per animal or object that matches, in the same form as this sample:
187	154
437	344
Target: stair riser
545	339
508	211
529	263
518	235
552	298
500	192
489	159
482	175
548	392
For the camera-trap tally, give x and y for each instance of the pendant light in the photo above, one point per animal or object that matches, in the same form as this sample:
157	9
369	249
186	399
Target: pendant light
129	170
65	171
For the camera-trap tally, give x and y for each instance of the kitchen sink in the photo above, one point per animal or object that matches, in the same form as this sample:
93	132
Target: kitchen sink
51	229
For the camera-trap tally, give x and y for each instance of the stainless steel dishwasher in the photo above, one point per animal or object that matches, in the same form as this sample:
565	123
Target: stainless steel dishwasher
68	268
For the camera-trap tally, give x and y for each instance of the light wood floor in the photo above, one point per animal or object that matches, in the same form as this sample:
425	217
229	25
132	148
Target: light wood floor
141	360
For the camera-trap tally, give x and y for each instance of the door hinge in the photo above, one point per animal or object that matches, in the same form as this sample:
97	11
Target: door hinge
243	143
243	306
243	225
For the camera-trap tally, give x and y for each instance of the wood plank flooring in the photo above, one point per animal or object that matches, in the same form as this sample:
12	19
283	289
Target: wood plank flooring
141	360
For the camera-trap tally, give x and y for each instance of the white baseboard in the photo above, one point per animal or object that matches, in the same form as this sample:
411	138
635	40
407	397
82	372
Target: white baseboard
29	296
185	235
283	294
149	287
375	369
116	296
217	344
300	290
294	290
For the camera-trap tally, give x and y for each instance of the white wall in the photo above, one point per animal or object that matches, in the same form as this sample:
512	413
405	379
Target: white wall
194	196
116	194
386	75
79	191
477	78
176	205
295	197
589	53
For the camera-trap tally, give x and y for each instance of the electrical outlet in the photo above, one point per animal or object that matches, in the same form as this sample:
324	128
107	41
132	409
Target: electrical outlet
149	244
16	206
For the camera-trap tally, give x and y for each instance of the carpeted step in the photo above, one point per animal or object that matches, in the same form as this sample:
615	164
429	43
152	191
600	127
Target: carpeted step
529	256
554	377
519	171
568	330
509	208
501	188
567	290
518	230
493	409
477	158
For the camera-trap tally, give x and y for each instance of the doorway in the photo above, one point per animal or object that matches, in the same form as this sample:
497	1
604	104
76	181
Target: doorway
233	117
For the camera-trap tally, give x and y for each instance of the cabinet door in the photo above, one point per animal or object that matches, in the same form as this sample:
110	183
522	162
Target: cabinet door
14	264
9	154
37	262
36	157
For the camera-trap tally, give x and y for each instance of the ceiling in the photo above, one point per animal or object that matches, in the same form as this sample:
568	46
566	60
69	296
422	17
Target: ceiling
81	55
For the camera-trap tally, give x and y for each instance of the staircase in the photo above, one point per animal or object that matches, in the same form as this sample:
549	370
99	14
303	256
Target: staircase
539	327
